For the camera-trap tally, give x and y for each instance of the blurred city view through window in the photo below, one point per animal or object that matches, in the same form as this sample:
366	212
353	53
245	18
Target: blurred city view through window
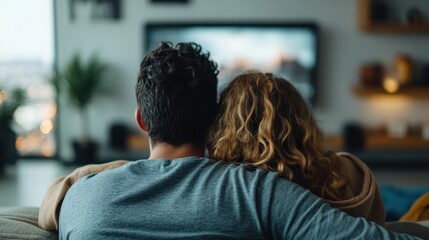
26	61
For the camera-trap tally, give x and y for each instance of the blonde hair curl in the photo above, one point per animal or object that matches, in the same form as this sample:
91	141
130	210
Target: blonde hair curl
265	122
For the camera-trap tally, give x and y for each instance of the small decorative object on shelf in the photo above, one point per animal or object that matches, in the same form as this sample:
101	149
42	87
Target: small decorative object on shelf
371	74
391	84
379	12
424	77
384	16
403	67
354	136
414	16
401	74
425	130
397	128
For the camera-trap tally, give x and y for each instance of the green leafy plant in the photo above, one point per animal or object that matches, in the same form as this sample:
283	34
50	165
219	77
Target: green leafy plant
81	82
10	101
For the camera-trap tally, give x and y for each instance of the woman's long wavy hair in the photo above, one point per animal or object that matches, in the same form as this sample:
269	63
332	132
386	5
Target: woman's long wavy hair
265	122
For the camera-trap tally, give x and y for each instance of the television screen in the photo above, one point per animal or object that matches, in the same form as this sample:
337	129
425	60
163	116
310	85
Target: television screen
287	50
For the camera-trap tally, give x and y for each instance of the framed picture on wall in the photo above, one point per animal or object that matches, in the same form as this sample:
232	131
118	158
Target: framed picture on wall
95	9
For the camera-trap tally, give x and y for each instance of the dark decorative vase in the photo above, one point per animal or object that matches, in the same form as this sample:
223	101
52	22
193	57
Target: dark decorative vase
8	152
85	153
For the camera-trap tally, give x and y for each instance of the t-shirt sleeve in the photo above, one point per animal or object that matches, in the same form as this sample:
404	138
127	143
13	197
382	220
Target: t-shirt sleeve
49	209
295	213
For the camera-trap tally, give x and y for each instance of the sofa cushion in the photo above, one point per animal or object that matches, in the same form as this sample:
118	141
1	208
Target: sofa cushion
21	223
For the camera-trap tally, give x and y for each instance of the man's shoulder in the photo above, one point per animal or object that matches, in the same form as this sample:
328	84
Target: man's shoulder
140	171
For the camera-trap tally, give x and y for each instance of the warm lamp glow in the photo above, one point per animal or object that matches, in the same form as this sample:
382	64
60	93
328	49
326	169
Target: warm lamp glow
391	85
46	151
51	110
40	91
3	97
46	126
32	91
20	143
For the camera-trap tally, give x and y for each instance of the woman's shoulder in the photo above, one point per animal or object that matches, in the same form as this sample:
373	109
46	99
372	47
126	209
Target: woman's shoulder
351	158
365	199
356	172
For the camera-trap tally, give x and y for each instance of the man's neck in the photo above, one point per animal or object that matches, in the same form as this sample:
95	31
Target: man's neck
162	150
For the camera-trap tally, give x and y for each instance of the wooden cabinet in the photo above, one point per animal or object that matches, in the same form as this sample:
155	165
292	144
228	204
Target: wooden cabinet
377	141
367	23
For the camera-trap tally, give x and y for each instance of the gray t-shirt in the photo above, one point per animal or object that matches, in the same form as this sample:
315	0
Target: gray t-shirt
199	198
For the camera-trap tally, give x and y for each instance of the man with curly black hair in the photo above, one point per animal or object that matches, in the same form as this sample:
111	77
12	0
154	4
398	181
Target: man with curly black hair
178	193
176	94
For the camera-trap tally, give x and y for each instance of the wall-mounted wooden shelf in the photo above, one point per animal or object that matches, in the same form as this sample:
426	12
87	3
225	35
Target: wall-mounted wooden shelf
409	91
384	152
392	27
367	24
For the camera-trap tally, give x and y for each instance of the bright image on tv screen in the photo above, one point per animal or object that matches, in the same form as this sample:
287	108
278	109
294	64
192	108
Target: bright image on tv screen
290	52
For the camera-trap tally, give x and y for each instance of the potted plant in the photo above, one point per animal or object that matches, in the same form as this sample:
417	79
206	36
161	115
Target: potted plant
9	103
81	82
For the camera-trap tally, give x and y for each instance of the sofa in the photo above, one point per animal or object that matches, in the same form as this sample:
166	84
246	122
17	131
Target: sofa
21	223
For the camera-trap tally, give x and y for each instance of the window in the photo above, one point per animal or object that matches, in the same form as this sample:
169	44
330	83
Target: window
26	60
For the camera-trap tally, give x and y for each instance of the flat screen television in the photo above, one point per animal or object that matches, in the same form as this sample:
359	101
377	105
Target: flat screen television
286	49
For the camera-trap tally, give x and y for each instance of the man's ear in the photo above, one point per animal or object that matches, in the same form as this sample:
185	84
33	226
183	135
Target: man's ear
140	121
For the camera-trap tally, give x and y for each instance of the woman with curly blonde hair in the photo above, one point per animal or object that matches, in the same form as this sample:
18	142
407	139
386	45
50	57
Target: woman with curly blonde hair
264	122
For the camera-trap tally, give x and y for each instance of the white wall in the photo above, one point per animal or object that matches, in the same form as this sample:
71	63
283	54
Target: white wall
343	48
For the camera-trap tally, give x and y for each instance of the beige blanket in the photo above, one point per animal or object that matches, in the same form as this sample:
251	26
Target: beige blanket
51	204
